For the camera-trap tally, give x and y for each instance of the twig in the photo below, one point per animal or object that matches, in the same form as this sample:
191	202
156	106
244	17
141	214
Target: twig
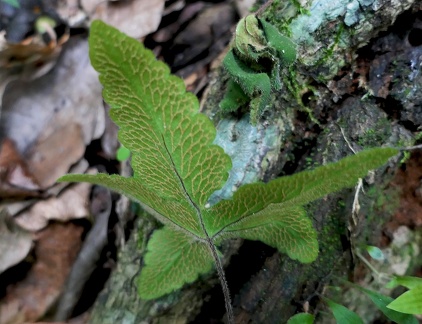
410	148
263	7
356	205
347	141
369	265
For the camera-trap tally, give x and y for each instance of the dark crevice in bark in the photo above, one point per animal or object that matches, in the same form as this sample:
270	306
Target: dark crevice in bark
244	265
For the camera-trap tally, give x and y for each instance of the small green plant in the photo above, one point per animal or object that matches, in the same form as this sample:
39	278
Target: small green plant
301	318
409	302
342	314
254	62
177	169
399	310
383	303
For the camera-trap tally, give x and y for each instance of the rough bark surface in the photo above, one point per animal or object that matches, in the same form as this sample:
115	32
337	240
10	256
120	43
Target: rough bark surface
358	101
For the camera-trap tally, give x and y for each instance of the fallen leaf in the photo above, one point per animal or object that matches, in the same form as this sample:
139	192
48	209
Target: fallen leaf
15	243
69	94
134	18
188	12
29	59
244	7
13	208
55	144
15	178
209	32
55	250
72	203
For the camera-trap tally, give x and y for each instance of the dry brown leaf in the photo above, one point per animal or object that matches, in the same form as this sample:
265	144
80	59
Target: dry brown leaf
72	203
135	18
28	60
56	150
244	6
15	178
203	39
69	94
56	248
15	242
13	208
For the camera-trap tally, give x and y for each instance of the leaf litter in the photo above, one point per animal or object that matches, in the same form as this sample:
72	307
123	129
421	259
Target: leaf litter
51	110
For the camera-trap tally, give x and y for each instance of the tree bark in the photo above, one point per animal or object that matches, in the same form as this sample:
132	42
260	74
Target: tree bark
335	101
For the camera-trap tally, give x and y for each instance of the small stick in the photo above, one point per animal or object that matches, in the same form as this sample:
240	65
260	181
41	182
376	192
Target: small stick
263	7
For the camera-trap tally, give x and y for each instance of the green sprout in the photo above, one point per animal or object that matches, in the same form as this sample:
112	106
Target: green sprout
254	62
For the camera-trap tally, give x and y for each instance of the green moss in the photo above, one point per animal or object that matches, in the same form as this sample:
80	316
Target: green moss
341	203
281	14
380	205
378	134
296	89
330	50
387	201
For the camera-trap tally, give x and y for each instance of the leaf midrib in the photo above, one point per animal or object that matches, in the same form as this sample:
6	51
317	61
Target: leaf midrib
207	238
221	231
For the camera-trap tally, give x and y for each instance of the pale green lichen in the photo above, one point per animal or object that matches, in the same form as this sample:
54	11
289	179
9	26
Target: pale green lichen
249	148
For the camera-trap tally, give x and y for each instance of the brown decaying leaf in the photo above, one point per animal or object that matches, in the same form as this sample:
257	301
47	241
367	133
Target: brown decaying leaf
28	60
15	242
56	248
69	94
135	18
56	150
15	178
209	31
188	12
72	203
244	6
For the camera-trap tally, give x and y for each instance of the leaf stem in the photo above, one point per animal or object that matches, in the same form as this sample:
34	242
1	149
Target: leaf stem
223	282
208	239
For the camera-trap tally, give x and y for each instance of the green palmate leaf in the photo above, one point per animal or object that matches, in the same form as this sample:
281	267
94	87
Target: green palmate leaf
298	189
177	168
382	301
170	141
342	314
287	229
301	318
169	212
173	259
410	302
